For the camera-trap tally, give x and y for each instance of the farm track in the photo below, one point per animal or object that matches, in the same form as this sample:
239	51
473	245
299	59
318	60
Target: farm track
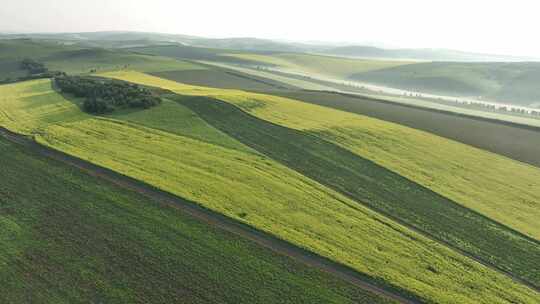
209	217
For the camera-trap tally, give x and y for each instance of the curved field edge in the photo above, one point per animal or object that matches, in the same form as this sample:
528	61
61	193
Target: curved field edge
378	189
325	85
472	177
475	178
113	245
515	141
434	215
253	189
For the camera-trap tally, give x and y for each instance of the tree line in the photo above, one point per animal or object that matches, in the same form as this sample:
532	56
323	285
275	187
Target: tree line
106	95
35	70
33	66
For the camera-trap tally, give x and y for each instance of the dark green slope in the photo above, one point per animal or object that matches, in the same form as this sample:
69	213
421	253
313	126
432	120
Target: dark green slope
70	238
380	189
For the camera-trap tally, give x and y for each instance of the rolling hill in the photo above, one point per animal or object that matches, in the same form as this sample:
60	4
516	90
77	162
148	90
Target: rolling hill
236	181
145	145
420	54
75	59
69	237
123	39
508	82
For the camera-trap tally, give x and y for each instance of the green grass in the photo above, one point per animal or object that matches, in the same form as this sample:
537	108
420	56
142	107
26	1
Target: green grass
516	142
82	61
425	210
247	186
192	53
177	119
71	238
379	189
472	177
329	66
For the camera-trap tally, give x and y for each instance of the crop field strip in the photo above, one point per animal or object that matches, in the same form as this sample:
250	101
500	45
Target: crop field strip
327	85
223	78
189	224
519	142
474	178
486	250
512	141
401	258
75	59
381	190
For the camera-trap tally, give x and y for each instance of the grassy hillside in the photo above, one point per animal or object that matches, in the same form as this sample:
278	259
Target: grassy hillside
417	54
305	63
71	238
192	53
84	60
482	174
74	59
223	78
226	176
430	213
514	142
379	189
329	66
20	48
510	82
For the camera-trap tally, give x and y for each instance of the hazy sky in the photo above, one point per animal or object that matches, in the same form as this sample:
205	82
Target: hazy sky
496	26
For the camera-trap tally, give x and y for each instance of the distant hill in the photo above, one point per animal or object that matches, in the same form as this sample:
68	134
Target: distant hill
511	82
256	44
123	39
515	82
418	54
57	55
133	39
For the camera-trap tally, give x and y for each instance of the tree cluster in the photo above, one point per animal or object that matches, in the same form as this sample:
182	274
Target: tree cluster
36	70
49	74
105	95
33	67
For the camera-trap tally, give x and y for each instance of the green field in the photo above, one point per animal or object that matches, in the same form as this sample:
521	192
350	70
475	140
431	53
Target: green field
513	83
71	238
75	60
516	142
193	160
430	213
327	85
328	66
486	187
82	61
